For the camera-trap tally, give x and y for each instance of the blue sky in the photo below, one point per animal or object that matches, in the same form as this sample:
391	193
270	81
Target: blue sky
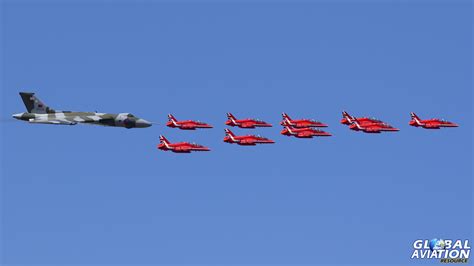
97	195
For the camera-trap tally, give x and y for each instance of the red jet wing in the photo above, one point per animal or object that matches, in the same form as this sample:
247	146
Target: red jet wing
244	140
305	134
246	125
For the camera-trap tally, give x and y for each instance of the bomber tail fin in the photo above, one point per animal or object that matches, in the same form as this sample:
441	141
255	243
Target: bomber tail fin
35	105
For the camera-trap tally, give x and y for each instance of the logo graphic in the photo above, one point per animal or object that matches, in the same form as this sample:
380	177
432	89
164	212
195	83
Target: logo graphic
445	250
437	244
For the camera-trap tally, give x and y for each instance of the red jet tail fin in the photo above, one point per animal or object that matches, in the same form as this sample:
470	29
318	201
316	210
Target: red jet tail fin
289	129
231	116
285	116
164	140
356	123
229	133
171	118
347	115
415	118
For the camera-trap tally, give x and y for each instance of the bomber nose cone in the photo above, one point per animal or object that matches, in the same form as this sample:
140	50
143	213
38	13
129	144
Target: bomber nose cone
17	116
143	123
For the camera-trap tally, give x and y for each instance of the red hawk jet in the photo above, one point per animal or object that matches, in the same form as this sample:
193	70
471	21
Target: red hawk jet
245	140
245	123
186	124
433	123
305	132
180	147
372	127
348	119
300	123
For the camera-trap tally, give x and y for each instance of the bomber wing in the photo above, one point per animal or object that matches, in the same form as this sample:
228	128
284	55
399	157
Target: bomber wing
53	122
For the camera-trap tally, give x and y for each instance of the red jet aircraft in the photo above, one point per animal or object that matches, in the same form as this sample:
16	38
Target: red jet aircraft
245	140
433	123
301	123
372	127
245	123
348	119
186	124
305	132
180	147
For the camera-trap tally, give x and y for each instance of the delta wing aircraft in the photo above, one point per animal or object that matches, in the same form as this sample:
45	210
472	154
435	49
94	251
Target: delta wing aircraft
433	123
40	113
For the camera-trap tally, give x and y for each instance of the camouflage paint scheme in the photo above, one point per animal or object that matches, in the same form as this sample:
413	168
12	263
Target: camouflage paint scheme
40	113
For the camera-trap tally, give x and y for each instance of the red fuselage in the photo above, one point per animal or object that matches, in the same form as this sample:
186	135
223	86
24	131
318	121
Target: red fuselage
187	124
247	123
247	140
361	120
302	123
432	123
305	132
182	147
372	127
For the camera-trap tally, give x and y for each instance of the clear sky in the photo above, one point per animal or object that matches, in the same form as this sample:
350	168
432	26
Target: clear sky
100	195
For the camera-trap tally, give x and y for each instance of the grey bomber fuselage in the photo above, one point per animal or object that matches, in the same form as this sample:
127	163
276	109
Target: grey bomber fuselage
39	113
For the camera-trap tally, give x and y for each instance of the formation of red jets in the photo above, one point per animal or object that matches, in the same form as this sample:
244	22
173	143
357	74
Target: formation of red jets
299	128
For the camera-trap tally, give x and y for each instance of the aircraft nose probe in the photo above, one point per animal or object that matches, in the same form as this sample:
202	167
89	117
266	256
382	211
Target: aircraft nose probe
144	123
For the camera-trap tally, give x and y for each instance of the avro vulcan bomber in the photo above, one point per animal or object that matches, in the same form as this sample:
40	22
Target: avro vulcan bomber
40	113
